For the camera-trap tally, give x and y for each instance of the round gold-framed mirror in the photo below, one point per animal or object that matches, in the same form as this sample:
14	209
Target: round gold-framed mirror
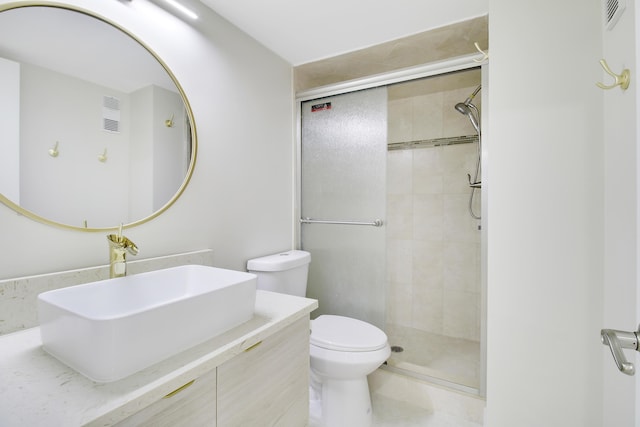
96	130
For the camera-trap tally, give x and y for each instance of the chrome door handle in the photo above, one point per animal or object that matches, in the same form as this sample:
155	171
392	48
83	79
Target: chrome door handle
617	340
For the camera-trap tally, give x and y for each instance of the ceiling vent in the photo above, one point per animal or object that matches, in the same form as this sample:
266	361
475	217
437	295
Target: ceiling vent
612	11
110	114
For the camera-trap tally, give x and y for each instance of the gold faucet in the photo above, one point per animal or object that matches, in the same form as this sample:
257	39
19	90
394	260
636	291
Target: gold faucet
119	245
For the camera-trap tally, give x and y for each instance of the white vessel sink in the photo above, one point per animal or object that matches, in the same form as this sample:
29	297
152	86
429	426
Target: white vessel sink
109	329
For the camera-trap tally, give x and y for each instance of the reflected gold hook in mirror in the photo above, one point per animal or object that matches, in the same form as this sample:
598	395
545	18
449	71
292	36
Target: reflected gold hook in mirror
621	80
103	157
53	152
169	122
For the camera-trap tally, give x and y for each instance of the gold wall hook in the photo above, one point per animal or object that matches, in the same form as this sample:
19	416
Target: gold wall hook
103	157
169	122
485	55
53	152
621	80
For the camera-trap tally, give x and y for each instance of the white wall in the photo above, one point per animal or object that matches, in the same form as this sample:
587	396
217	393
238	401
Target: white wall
239	201
141	167
621	216
169	157
10	129
545	214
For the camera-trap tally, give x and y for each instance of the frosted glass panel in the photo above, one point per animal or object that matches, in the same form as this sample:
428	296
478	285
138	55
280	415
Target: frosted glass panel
343	161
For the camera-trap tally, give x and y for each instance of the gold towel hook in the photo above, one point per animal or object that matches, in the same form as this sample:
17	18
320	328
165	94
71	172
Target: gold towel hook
621	80
485	55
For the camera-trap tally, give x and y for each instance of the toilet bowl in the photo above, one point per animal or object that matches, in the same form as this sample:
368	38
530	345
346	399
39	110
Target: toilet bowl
343	350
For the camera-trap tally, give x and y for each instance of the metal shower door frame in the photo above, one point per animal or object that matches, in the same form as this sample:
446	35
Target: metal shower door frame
459	63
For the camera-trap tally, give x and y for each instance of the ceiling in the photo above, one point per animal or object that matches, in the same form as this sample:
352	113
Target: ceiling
302	31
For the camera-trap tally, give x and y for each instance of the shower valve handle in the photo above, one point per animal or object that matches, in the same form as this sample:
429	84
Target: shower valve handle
617	340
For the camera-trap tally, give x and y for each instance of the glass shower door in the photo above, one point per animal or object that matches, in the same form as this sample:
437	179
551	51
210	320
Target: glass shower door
343	178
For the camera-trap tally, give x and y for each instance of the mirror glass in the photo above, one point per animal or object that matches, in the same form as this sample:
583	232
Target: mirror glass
95	130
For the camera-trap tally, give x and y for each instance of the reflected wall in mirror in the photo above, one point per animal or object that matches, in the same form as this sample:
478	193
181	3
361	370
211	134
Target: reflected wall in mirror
95	130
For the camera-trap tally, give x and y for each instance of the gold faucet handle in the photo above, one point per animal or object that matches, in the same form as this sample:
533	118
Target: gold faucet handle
130	246
123	242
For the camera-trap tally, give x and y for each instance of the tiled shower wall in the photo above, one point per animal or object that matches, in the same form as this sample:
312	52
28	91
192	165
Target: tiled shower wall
433	243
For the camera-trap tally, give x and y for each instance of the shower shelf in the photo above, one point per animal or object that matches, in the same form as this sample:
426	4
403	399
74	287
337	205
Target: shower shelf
435	142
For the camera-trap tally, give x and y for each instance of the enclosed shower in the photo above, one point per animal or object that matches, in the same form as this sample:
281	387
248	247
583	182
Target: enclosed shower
387	183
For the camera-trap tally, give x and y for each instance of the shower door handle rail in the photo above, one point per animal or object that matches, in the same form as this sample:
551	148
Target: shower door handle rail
374	223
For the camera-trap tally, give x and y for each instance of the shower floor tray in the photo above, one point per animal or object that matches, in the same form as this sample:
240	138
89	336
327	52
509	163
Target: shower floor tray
451	359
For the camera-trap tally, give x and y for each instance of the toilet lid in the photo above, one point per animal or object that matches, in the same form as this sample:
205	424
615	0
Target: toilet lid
346	334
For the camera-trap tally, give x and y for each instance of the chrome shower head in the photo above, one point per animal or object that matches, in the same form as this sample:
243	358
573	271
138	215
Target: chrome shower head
468	110
463	108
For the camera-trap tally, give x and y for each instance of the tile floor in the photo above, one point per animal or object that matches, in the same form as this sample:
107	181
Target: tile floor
402	401
388	412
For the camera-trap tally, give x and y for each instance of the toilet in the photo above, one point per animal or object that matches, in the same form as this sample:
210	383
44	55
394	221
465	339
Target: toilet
343	350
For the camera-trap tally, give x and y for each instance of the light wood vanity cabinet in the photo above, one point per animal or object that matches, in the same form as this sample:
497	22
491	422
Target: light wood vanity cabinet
194	404
266	385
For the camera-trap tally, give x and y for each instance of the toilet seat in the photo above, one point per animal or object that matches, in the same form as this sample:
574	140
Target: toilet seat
341	333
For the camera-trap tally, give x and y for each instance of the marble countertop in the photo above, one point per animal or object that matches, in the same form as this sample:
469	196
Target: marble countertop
38	390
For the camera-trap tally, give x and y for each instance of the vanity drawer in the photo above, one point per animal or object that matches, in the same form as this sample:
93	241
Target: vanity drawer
193	405
267	385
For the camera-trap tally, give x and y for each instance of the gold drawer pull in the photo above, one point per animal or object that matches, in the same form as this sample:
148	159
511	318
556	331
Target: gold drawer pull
253	346
179	389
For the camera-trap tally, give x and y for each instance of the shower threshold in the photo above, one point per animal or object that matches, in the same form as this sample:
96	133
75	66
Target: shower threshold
431	379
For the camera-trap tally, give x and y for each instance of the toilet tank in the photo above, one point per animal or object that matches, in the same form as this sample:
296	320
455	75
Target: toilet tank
285	272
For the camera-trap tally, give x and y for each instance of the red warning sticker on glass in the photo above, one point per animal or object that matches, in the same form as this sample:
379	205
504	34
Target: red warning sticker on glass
321	107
